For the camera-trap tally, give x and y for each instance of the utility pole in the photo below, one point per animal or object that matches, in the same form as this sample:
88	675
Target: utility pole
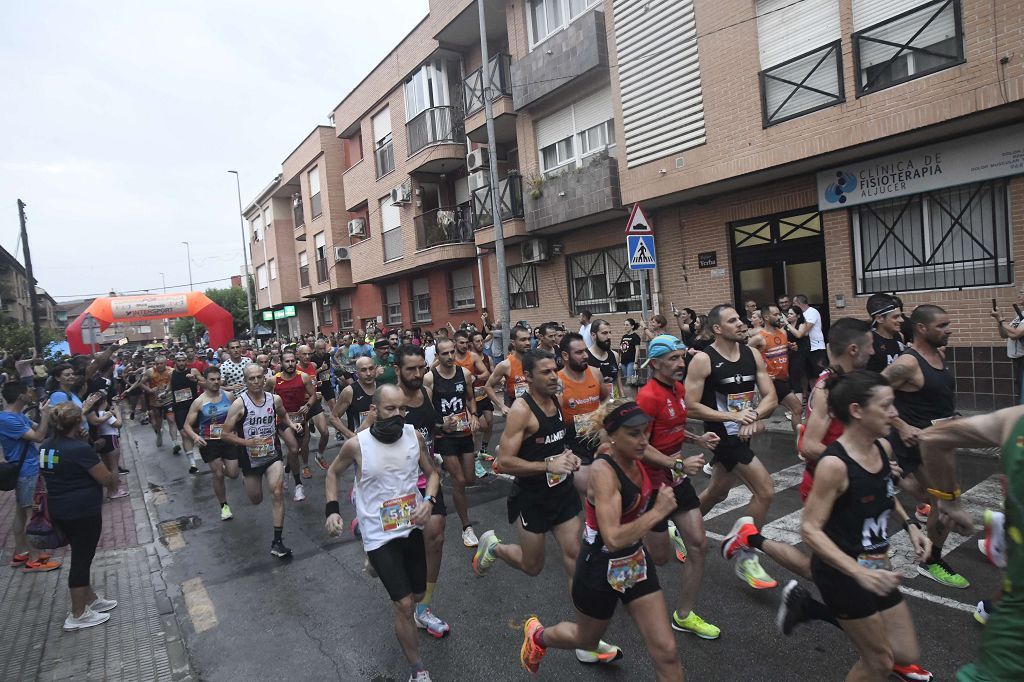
32	298
188	256
495	191
245	253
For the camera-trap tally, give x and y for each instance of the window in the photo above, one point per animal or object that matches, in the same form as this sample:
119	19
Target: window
391	222
303	269
597	139
383	149
272	266
522	286
268	217
353	149
345	311
326	314
261	276
899	40
556	155
573	134
392	305
256	227
461	290
320	245
314	192
951	238
602	282
420	300
549	16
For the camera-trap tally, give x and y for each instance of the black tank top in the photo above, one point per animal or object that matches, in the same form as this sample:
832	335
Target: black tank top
731	387
936	399
423	419
609	367
361	401
548	441
886	351
452	397
635	501
180	381
859	518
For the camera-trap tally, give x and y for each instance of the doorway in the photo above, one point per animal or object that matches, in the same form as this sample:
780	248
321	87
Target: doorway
780	253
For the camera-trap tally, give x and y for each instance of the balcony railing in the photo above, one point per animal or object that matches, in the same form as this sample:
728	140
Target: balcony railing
499	70
431	126
322	272
393	244
444	226
303	275
510	199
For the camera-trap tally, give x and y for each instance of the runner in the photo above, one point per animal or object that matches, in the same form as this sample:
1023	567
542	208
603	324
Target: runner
156	382
467	357
297	391
453	437
542	499
925	395
316	413
184	388
389	457
886	321
662	398
845	524
548	335
484	406
1001	656
355	399
601	356
771	340
722	383
622	504
511	370
209	411
253	422
583	391
232	370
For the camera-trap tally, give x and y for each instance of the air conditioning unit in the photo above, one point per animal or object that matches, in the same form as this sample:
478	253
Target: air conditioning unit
401	195
479	179
477	159
326	300
534	251
356	228
342	253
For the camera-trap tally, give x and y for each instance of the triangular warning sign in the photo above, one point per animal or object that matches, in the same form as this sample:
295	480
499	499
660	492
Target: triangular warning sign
638	223
641	255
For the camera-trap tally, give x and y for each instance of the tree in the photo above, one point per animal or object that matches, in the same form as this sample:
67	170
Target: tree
232	299
17	338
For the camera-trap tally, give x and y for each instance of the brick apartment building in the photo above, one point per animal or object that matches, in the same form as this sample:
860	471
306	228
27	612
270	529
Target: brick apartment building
834	148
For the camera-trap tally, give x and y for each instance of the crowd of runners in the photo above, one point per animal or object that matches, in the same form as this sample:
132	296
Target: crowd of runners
592	443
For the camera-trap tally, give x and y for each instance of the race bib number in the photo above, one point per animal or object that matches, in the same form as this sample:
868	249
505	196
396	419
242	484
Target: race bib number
554	479
739	402
183	395
262	453
396	513
459	421
625	572
875	561
479	393
580	421
324	375
213	431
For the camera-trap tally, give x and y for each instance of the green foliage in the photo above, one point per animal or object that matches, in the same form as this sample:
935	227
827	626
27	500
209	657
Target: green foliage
231	299
17	338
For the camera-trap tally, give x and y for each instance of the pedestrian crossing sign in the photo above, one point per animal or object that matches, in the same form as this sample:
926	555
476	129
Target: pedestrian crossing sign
640	248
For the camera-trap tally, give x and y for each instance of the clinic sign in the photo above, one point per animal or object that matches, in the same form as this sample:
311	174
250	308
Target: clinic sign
984	156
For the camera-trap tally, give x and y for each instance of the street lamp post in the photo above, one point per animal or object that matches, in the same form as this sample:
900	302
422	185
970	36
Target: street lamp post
167	327
245	252
188	254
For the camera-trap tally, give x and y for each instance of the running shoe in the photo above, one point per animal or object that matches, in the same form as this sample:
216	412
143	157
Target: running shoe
531	653
193	469
88	619
225	512
994	544
707	469
131	415
677	542
19	559
791	607
469	538
484	557
40	566
605	653
307	472
145	421
176	450
922	511
278	549
983	610
160	439
101	605
426	620
479	469
736	540
300	493
911	673
121	492
749	571
484	456
419	676
943	573
320	461
695	625
122	470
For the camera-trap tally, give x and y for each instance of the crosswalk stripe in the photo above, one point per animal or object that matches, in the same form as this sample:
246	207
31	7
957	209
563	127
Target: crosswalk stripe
740	496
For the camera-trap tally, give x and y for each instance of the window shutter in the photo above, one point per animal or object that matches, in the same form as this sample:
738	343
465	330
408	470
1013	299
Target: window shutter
593	110
786	30
390	215
391	293
319	241
462	190
553	128
382	124
314	181
420	286
462	278
867	13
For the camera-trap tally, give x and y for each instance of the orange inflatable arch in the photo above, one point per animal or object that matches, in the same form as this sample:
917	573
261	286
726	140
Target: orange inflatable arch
108	310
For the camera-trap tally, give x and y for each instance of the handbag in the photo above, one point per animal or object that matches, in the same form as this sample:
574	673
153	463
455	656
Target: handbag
9	472
41	532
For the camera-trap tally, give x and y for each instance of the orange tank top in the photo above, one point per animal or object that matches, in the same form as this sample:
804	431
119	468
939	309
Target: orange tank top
515	384
579	397
775	353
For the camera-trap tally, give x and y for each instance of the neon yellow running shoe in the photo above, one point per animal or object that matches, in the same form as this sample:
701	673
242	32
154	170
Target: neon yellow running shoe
695	625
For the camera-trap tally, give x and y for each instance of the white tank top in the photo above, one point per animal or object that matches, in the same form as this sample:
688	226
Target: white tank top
260	423
386	492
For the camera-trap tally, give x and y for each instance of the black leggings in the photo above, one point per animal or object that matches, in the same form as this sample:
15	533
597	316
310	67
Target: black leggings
83	535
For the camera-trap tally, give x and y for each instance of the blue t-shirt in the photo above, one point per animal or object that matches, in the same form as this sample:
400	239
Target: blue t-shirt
13	426
72	492
58	397
360	351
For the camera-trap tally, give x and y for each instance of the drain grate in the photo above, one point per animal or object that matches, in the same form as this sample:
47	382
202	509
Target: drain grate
176	526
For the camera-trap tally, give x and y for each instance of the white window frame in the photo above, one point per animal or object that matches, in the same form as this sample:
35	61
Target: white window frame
565	19
268	217
465	303
272	266
256	225
605	131
261	277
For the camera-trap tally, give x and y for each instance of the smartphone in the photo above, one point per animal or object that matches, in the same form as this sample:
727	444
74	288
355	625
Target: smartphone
994	304
674	308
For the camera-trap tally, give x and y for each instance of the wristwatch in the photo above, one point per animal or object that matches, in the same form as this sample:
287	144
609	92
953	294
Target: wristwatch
679	467
431	499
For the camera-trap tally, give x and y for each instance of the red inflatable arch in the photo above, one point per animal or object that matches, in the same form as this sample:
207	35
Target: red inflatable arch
195	304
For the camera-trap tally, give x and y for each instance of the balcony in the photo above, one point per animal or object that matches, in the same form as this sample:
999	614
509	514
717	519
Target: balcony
510	201
436	137
575	197
322	271
578	51
500	73
452	225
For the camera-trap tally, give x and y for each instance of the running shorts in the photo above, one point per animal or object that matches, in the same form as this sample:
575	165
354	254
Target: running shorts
453	446
485	405
218	449
402	565
593	596
686	499
180	413
732	451
439	509
782	388
249	470
326	389
844	597
541	509
907	456
108	444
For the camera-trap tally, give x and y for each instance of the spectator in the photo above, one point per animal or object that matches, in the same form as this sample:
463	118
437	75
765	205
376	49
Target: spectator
75	478
1013	332
818	356
655	327
585	317
24	368
628	346
19	437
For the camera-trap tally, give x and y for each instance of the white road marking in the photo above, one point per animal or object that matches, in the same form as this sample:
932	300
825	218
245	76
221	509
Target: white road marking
200	606
739	496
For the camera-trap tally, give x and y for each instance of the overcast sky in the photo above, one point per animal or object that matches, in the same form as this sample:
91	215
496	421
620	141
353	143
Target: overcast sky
121	120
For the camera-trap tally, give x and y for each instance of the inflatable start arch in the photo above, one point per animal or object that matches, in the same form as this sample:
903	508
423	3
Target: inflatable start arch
108	310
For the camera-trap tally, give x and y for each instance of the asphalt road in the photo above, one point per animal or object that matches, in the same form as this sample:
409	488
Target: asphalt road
247	615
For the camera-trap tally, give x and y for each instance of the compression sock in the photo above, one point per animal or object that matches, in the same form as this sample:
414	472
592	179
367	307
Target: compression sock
428	595
755	541
538	637
815	610
278	530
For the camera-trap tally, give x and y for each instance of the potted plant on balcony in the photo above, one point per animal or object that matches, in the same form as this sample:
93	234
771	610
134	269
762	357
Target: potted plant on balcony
535	184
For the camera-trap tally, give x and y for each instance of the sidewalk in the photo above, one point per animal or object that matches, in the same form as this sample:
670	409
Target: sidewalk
141	640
